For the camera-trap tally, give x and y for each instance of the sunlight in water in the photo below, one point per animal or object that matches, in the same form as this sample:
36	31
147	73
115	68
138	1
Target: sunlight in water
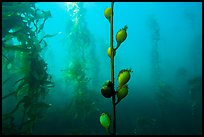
73	9
71	6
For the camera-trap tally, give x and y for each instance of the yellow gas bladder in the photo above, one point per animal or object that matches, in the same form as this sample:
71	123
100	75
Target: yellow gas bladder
123	77
109	52
105	120
122	92
108	13
121	36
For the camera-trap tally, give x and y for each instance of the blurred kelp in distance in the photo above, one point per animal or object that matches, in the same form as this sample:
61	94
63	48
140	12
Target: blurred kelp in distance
195	91
22	37
162	89
84	103
181	72
155	56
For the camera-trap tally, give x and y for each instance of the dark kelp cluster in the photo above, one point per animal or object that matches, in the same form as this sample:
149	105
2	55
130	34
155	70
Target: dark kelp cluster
24	22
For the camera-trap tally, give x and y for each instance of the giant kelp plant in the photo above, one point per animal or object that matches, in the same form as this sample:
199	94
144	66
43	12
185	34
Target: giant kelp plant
79	72
195	52
163	90
108	89
22	42
155	57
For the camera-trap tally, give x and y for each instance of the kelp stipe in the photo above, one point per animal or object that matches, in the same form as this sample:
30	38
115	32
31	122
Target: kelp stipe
108	89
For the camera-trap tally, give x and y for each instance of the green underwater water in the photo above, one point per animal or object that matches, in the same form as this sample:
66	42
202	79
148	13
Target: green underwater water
55	63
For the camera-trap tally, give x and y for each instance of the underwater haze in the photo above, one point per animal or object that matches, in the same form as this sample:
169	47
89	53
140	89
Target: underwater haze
55	63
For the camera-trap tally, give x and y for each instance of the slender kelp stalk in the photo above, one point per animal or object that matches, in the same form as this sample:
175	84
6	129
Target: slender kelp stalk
112	69
108	89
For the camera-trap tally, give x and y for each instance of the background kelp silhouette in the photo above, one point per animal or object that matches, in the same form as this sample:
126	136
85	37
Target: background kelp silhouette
54	63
